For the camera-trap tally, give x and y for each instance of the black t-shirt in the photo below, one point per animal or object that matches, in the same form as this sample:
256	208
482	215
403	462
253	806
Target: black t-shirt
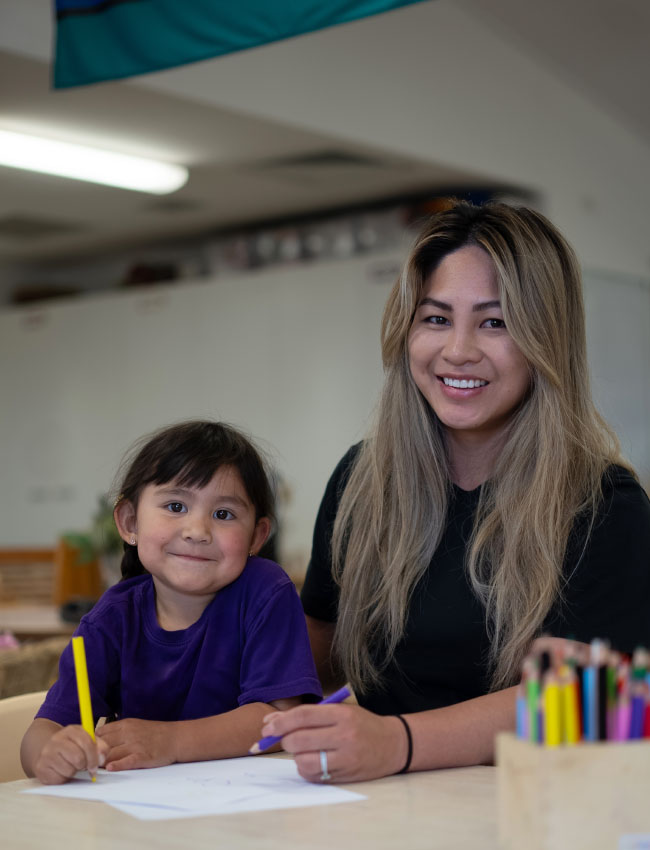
442	658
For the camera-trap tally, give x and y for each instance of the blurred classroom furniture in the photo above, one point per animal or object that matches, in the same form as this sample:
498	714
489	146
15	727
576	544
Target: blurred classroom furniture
16	713
436	810
27	576
35	583
33	666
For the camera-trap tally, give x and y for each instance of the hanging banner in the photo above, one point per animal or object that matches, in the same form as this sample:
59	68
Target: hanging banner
100	40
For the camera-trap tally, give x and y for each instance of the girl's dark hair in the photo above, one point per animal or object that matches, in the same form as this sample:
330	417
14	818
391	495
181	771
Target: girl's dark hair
190	453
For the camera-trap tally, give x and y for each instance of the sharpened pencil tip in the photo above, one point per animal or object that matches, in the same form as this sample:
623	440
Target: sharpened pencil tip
254	750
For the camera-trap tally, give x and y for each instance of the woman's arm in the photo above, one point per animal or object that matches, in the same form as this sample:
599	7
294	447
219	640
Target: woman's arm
361	745
133	743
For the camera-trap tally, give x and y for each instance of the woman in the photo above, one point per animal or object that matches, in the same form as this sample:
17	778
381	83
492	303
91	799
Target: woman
489	505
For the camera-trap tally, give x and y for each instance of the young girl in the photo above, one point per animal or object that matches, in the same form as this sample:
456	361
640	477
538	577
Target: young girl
200	636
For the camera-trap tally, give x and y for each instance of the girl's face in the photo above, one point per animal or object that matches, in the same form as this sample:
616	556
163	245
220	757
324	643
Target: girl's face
194	540
462	358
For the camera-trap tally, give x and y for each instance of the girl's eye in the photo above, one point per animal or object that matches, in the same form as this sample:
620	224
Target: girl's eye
175	507
494	323
435	320
222	513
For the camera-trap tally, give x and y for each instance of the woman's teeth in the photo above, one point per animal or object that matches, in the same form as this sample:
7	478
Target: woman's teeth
463	384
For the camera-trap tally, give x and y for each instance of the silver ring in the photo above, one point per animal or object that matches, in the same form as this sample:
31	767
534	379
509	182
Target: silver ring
324	773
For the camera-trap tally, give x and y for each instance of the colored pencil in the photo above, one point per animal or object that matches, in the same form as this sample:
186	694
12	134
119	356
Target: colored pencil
270	740
83	689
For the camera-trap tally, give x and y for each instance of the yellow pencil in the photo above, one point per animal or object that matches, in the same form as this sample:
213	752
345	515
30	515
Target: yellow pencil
83	689
570	705
552	711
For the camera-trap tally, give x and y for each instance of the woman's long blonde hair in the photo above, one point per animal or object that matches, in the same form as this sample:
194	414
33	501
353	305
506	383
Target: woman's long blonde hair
557	448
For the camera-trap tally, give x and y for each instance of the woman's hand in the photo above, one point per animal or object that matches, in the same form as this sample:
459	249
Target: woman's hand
133	743
67	751
358	744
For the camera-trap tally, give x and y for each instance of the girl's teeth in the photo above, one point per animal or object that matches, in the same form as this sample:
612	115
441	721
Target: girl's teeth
463	384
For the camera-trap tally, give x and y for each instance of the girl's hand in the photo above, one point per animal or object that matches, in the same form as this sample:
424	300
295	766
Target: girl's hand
359	744
70	749
133	743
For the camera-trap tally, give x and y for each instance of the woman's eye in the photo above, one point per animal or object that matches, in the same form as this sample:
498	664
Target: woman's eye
176	507
435	320
494	323
222	513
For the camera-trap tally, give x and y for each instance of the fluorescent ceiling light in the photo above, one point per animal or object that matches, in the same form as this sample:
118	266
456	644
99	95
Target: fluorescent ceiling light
64	159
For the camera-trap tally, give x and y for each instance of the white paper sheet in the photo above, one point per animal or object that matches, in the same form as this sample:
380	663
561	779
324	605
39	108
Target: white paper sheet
202	788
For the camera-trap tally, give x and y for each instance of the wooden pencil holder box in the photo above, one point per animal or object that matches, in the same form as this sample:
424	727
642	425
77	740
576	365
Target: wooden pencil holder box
584	797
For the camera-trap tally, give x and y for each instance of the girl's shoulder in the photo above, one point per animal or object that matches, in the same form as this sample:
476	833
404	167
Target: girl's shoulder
120	598
257	584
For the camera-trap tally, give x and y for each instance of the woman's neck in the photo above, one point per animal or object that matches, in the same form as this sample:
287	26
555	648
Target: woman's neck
472	457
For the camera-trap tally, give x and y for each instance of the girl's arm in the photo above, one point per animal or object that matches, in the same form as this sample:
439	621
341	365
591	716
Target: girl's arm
361	745
133	743
54	753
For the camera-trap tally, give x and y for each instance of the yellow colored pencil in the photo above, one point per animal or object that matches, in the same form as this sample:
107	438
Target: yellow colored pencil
570	705
552	712
83	688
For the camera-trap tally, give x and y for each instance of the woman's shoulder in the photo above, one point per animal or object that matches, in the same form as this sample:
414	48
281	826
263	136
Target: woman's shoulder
622	491
341	474
619	532
344	466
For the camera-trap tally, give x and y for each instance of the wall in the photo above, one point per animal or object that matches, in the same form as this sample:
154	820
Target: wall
292	355
618	338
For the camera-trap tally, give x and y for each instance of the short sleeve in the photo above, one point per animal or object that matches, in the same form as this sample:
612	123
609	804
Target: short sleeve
607	594
320	594
62	703
276	659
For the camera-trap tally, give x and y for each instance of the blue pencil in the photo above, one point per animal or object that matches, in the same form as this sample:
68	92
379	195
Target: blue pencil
270	740
590	704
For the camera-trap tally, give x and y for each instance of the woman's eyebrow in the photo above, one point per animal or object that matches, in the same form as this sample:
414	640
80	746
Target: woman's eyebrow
433	302
486	305
476	308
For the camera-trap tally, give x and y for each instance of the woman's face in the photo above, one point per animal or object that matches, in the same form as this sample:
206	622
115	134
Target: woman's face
462	358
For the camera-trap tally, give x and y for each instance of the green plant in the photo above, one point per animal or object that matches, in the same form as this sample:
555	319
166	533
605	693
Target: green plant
105	536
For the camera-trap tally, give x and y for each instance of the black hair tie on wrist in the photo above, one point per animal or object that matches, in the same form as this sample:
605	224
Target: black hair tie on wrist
409	739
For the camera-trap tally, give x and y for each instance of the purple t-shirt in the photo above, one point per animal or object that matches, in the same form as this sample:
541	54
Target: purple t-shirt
249	645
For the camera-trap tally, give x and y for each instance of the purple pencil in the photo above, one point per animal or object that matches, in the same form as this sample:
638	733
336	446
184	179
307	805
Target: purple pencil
270	740
623	716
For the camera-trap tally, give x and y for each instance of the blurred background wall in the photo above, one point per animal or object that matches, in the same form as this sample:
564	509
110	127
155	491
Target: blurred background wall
534	101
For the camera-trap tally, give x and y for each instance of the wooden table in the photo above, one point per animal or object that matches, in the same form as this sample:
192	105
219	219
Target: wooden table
450	809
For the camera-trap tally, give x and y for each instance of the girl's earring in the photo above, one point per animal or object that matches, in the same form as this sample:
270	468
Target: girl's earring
250	554
133	541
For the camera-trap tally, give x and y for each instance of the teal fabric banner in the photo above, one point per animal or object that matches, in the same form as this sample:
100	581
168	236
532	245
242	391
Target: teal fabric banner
100	40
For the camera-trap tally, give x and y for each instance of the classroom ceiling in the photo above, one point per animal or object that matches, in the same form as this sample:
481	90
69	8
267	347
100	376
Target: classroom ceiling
246	169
